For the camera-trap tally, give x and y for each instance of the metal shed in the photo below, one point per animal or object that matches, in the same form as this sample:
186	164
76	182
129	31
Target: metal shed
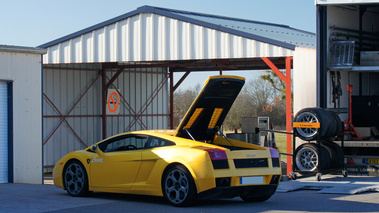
21	114
134	56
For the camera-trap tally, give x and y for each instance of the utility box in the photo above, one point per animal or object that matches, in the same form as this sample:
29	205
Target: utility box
252	138
249	124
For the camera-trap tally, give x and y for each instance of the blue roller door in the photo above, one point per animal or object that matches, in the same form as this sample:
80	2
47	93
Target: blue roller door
3	133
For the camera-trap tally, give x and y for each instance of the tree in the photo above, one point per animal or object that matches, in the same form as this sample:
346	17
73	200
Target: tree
275	82
257	98
241	108
266	101
182	102
261	95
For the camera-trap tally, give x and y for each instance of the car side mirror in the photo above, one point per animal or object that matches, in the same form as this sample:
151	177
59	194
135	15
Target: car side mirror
96	149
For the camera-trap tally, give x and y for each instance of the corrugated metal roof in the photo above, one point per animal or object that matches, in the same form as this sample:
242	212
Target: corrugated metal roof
19	49
156	34
275	32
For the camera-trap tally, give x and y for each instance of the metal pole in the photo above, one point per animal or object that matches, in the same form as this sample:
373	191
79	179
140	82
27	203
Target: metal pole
288	112
171	100
104	101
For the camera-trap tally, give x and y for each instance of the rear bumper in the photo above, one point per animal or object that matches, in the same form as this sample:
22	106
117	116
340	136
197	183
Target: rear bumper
234	191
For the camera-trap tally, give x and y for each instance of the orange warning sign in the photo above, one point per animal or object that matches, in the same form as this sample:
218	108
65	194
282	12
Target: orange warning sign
305	125
113	102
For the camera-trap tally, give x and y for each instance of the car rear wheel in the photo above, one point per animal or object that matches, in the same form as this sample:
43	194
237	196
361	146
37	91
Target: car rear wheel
75	179
178	186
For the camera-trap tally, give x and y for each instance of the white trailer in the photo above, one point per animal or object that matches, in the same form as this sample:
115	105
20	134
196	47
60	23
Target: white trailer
347	76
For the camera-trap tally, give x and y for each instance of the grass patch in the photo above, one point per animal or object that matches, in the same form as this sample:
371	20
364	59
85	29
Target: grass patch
281	142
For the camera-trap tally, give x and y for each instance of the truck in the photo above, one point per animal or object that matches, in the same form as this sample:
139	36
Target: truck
345	78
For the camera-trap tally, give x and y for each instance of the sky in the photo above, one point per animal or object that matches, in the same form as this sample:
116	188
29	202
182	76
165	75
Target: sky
31	23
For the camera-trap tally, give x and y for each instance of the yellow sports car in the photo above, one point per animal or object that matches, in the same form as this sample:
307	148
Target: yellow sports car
195	161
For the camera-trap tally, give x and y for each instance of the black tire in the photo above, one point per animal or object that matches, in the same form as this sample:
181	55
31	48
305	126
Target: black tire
311	158
338	151
332	124
338	123
332	155
312	115
178	186
248	198
75	179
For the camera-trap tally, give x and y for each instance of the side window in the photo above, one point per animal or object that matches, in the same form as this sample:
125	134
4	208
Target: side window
130	142
157	142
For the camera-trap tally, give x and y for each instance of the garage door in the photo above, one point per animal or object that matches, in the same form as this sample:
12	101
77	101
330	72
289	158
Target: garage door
3	133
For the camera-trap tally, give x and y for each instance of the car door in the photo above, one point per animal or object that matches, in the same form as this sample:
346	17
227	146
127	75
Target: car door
151	169
119	165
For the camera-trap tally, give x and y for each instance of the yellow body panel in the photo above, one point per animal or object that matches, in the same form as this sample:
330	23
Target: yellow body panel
140	171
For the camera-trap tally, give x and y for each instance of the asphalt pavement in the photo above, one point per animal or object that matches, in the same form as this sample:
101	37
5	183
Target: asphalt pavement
332	194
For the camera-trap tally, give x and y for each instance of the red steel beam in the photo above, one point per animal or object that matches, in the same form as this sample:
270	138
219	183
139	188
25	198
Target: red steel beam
99	116
288	112
113	78
64	118
180	80
287	80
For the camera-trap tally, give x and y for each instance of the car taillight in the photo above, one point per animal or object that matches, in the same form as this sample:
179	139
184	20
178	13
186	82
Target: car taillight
274	153
275	158
218	158
216	154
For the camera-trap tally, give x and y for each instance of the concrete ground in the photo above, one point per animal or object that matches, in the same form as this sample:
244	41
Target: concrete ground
332	194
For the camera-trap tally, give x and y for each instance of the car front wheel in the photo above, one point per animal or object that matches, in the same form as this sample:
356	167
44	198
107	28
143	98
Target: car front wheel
178	186
75	179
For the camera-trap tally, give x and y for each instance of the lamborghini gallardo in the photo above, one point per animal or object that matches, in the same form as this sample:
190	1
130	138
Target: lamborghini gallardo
195	161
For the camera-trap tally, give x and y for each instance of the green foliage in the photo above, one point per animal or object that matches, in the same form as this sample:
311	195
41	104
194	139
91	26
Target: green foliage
275	81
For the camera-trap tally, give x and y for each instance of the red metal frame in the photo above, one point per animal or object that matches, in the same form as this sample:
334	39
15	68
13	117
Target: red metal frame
64	119
130	107
348	124
188	67
106	83
65	116
287	80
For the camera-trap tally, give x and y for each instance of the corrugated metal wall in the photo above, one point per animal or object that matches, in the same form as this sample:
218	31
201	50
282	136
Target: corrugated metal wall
65	85
151	37
146	92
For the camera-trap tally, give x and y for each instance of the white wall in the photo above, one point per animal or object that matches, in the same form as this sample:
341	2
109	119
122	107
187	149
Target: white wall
304	78
24	69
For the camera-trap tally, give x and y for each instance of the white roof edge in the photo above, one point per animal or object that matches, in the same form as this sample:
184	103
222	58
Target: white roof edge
19	49
326	2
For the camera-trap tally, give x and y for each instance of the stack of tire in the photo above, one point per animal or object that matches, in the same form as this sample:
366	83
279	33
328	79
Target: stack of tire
324	155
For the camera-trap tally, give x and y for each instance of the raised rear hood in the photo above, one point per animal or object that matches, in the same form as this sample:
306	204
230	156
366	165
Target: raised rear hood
208	111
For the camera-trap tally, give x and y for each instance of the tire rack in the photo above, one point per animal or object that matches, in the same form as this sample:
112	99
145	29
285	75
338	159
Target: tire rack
319	173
